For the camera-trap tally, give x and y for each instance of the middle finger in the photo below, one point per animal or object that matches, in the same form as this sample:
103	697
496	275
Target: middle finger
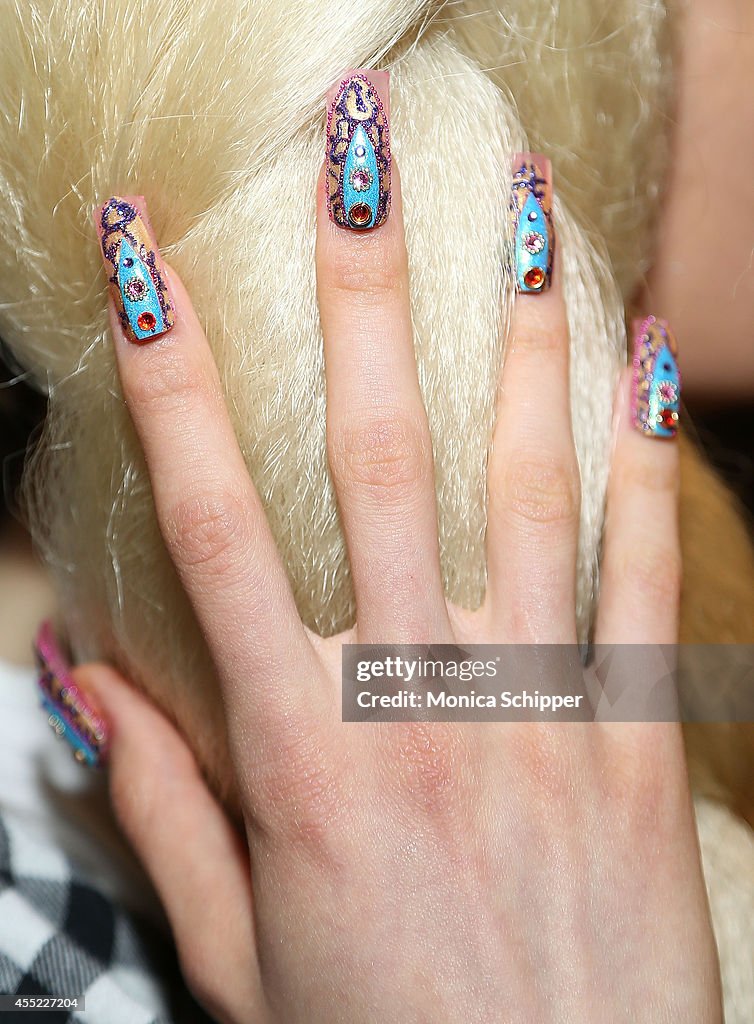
379	444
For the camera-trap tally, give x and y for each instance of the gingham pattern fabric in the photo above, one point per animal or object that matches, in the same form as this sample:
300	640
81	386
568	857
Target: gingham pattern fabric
61	936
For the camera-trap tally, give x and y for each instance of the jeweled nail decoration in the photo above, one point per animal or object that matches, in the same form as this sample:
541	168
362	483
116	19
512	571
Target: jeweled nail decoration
135	271
656	390
531	212
69	713
358	156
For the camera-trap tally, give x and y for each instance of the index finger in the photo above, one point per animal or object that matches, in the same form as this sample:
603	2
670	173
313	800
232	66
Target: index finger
210	515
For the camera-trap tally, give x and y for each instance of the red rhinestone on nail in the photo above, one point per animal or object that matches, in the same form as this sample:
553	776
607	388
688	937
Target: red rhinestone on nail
359	215
534	277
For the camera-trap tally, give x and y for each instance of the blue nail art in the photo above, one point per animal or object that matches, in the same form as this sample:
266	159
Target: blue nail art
358	156
361	177
138	292
531	210
656	382
135	272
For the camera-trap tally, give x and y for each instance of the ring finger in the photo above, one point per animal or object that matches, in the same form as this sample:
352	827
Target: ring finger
533	479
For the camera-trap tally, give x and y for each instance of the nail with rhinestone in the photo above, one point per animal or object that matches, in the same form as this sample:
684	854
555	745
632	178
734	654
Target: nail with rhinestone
531	215
357	158
70	713
135	270
656	380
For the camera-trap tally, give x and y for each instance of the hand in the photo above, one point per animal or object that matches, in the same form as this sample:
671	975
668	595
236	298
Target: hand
410	872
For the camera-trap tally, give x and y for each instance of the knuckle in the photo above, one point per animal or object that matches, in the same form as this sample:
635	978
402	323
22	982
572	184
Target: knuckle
429	765
368	272
654	572
385	452
542	754
208	531
167	384
644	778
546	340
639	470
298	791
537	491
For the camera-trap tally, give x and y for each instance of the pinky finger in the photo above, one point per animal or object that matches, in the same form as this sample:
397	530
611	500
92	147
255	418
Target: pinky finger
188	847
641	566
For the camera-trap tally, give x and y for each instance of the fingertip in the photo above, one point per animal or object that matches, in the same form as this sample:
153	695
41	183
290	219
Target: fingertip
137	730
109	693
639	461
641	568
150	765
106	686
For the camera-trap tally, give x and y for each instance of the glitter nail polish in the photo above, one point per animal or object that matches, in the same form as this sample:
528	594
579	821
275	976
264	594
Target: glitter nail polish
531	215
135	270
357	172
656	381
69	712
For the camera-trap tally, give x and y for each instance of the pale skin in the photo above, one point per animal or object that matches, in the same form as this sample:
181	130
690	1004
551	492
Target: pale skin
410	872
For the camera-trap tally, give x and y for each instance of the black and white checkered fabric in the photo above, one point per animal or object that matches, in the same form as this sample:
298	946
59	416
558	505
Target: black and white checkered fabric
61	936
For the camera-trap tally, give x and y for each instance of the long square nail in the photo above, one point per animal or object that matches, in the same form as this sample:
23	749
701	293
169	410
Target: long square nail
656	380
357	171
531	214
135	270
69	712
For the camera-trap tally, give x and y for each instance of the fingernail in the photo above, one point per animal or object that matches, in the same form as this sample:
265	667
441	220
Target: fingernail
357	171
69	712
531	212
656	382
135	270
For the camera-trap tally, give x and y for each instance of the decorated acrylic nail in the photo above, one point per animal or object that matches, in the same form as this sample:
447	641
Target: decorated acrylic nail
69	712
357	172
531	213
135	270
656	387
